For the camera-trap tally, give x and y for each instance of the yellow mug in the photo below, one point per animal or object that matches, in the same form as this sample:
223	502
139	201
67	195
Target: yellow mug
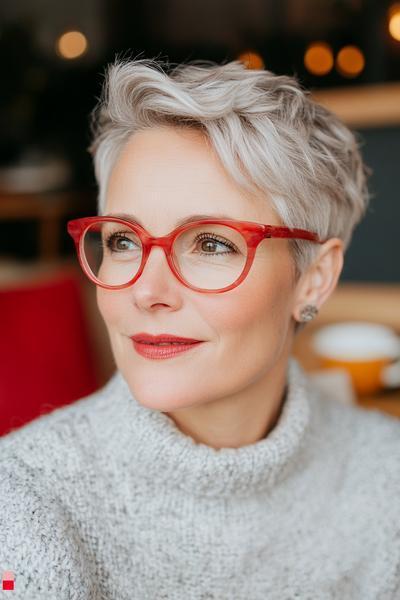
369	352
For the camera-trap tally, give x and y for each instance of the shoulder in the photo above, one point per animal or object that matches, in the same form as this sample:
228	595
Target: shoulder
345	427
368	430
357	489
47	454
52	442
362	447
374	449
39	541
42	466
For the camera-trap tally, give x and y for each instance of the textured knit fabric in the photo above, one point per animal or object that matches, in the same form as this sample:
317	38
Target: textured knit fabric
106	499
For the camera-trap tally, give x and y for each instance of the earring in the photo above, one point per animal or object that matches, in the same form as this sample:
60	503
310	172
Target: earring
308	313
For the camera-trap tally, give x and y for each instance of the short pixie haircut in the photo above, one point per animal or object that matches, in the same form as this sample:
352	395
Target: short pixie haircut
273	139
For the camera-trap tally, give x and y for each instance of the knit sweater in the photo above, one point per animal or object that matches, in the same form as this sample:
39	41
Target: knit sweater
105	499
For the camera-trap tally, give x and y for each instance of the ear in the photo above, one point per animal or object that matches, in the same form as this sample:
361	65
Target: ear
318	282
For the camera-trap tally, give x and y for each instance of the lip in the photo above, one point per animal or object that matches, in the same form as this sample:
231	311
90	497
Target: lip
148	338
160	352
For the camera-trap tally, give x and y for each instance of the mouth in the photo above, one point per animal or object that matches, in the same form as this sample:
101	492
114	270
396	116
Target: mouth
165	343
162	339
163	350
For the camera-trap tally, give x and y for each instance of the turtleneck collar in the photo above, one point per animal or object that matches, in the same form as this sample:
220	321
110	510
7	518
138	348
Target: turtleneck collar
151	443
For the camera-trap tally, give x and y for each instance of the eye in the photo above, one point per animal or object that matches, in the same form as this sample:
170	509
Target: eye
119	242
214	240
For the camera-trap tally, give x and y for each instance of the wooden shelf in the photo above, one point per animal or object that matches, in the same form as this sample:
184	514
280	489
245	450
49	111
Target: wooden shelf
376	105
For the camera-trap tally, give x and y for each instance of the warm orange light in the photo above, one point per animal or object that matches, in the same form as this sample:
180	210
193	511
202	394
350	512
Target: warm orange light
318	58
252	60
394	21
350	61
71	44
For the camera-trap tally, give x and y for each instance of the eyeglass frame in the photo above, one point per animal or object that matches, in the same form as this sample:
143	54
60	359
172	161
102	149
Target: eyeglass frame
253	233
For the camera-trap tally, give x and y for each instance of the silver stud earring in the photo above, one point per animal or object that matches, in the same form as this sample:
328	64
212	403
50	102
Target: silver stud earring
308	313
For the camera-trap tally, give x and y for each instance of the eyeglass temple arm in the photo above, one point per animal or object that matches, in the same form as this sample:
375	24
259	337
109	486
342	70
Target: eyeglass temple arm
286	232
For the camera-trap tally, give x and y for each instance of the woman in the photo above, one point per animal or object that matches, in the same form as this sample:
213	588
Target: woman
209	466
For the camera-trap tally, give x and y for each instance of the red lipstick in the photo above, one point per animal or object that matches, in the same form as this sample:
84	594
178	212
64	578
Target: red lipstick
164	345
148	338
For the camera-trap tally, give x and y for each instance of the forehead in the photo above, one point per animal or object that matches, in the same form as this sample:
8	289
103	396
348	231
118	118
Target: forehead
166	173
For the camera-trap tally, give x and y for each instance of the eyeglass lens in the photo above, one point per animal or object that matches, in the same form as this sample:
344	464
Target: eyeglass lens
209	256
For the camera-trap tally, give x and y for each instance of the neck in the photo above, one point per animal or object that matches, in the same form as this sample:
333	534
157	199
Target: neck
166	456
239	419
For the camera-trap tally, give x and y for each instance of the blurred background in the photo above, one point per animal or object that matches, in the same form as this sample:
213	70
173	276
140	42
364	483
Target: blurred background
54	348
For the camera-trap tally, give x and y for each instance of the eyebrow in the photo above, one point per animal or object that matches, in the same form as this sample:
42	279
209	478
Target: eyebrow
183	221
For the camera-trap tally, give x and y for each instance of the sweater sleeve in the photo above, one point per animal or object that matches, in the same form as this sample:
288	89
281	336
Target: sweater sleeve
39	542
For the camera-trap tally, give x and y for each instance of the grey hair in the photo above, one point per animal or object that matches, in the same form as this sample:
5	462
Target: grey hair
271	136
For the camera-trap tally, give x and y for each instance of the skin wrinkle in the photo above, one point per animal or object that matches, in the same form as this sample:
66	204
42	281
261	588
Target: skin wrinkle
229	391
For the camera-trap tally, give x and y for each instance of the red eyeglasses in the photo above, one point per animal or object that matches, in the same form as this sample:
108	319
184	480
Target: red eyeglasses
113	252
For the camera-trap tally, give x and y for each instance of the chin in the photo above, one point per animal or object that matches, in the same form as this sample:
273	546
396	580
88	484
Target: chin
155	397
163	405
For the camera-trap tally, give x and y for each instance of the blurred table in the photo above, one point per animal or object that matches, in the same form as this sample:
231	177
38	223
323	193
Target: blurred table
49	208
375	302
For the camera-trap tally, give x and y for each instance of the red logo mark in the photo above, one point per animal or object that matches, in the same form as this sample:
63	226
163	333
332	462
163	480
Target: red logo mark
8	580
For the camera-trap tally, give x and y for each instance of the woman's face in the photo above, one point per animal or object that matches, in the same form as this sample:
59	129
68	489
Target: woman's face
163	175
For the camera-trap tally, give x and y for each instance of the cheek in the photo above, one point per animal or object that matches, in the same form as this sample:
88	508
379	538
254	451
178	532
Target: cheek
259	309
110	307
252	328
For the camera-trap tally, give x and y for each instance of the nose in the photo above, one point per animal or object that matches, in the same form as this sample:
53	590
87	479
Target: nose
156	269
156	287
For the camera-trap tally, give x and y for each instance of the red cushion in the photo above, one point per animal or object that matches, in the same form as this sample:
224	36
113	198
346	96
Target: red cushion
46	355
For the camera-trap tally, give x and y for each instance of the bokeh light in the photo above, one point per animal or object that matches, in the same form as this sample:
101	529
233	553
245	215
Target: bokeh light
318	58
394	21
252	60
71	44
350	61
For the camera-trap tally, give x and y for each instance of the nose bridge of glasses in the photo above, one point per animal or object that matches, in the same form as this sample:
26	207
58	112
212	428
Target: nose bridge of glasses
154	242
163	241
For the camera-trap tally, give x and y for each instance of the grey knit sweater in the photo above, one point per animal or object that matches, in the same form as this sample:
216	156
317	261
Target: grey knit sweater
106	499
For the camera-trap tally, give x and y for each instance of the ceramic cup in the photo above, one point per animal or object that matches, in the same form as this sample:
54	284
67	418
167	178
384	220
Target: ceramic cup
370	352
